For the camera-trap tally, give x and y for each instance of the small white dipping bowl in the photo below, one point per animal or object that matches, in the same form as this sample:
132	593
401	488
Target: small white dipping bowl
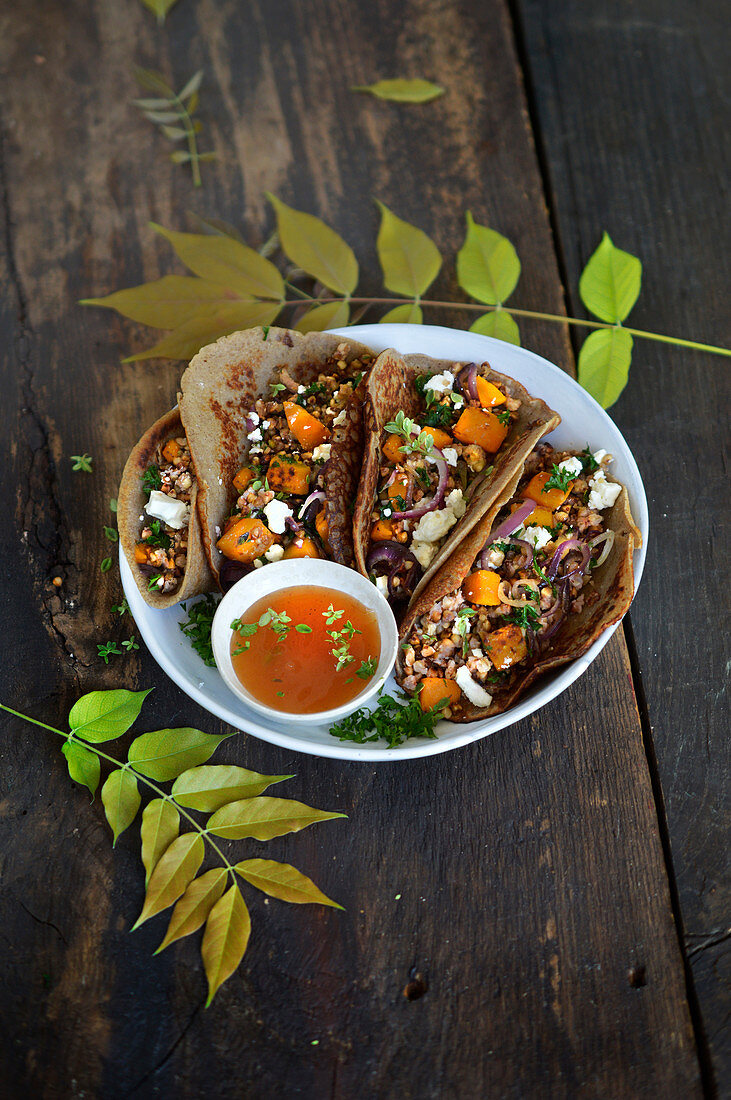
297	573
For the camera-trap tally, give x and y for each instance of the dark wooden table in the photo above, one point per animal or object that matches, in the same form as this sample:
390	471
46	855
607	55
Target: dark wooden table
558	888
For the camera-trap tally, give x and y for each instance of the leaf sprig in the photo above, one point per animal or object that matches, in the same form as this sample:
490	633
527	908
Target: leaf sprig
237	287
173	112
232	796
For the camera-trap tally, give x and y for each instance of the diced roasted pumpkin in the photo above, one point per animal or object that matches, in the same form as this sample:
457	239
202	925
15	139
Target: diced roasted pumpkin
440	438
243	479
482	427
302	546
548	498
322	526
434	690
506	646
391	449
488	393
246	539
398	487
481	588
289	475
381	530
142	552
539	517
171	450
306	429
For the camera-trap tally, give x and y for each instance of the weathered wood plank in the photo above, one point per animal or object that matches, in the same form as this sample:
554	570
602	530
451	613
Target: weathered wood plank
633	115
528	867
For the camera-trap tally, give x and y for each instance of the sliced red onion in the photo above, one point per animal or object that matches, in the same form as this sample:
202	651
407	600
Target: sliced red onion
562	550
467	377
250	425
394	555
292	523
607	537
512	523
437	500
317	495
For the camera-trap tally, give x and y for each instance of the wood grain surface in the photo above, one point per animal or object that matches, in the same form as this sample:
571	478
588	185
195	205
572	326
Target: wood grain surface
517	887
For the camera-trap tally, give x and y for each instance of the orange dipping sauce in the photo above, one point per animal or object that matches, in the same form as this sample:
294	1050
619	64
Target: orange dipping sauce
305	670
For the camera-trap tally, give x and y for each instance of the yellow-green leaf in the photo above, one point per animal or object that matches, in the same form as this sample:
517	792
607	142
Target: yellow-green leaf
610	282
498	324
192	910
177	866
402	90
160	826
225	939
101	715
83	765
408	314
281	880
121	800
166	754
316	248
165	303
604	362
264	818
160	8
209	788
206	327
488	267
227	262
331	315
410	260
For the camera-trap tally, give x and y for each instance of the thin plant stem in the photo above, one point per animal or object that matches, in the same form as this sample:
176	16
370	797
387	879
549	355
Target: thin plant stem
192	144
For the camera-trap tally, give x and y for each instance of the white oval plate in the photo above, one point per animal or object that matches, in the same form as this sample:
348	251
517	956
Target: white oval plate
583	421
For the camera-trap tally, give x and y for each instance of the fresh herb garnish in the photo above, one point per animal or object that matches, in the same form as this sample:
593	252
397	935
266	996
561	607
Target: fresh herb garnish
109	649
302	628
111	533
106	565
422	475
559	479
503	417
403	426
276	387
82	462
158	536
439	416
341	643
367	668
120	608
587	460
542	576
113	504
462	626
524	617
197	627
392	720
331	615
265	330
153	581
131	644
151	478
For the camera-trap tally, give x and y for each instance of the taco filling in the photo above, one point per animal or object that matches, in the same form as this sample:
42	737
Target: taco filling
161	549
428	468
281	508
533	574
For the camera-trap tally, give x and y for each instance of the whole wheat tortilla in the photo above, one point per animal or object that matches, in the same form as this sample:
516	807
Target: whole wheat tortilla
614	581
217	391
390	388
131	502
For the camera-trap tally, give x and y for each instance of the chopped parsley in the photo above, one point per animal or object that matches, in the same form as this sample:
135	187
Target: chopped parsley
393	720
197	627
440	416
367	668
587	460
503	417
157	536
151	478
524	617
559	479
265	330
462	627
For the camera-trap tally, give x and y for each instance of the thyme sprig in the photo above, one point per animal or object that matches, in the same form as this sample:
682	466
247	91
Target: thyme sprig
173	112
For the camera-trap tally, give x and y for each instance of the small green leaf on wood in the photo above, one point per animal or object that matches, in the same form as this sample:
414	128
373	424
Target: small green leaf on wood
488	267
330	315
498	324
402	90
160	826
610	283
410	313
280	880
264	818
227	263
225	939
205	327
160	8
191	911
315	247
177	866
83	765
164	303
166	754
121	800
410	260
102	715
209	788
604	362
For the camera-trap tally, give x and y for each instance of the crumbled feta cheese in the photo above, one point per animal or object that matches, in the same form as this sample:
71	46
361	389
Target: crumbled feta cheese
253	417
599	456
301	389
450	456
323	451
265	423
474	691
382	585
538	537
441	383
258	563
424	552
476	651
455	501
386	512
340	418
166	508
274	553
276	512
571	466
254	436
495	558
434	525
256	449
430	627
603	493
